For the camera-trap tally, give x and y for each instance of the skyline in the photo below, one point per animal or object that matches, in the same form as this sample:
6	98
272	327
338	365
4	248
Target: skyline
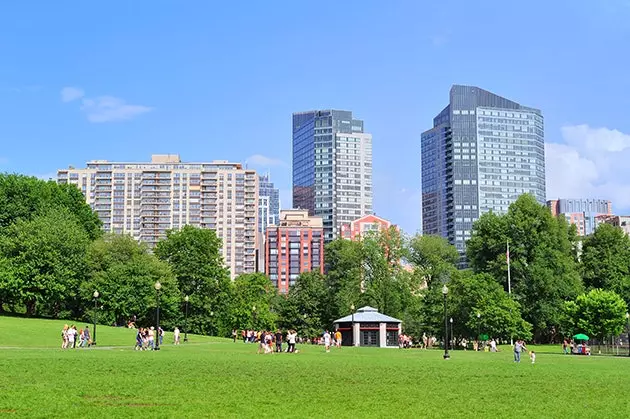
223	86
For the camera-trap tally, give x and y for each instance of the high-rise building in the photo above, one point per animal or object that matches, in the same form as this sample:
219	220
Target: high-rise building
146	199
268	203
482	153
293	246
332	167
360	226
581	212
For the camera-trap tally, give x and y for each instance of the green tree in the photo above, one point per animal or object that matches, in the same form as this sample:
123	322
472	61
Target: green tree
432	256
43	263
24	197
344	273
598	313
606	260
124	273
194	255
543	268
304	306
254	305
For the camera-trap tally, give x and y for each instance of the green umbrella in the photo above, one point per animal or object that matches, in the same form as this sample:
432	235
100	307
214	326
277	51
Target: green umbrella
581	336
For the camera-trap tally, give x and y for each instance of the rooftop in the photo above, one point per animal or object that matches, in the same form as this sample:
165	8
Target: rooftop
367	314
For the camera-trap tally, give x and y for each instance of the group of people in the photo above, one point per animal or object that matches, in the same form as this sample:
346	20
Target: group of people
569	347
269	342
146	336
71	337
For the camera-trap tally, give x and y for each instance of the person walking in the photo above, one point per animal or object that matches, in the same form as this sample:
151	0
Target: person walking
291	336
234	335
64	337
176	336
519	347
87	339
278	341
327	341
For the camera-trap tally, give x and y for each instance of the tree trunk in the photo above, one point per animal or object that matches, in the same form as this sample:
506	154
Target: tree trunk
30	307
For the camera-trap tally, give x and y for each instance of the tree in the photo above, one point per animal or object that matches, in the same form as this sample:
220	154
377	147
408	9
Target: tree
43	261
124	273
606	260
598	313
254	303
194	255
304	307
433	256
344	265
543	267
24	197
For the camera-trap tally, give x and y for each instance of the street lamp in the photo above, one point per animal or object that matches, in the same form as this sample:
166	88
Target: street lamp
95	295
211	325
352	331
452	339
445	293
628	325
157	286
186	298
478	329
254	317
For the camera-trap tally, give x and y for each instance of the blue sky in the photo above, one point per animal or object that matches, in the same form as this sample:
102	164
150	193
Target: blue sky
122	80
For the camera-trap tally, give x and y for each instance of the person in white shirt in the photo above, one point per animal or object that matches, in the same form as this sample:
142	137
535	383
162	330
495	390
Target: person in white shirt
327	340
493	345
151	337
71	335
176	336
291	340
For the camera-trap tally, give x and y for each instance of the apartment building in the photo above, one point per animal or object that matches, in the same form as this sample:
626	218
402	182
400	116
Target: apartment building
360	226
294	246
147	199
581	212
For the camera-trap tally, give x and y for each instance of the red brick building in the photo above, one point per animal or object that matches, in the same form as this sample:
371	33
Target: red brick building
358	227
294	246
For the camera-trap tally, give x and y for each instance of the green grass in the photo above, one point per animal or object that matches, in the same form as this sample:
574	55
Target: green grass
217	378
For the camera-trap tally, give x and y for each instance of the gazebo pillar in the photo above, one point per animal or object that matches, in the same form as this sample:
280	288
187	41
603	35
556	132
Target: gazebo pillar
382	335
356	327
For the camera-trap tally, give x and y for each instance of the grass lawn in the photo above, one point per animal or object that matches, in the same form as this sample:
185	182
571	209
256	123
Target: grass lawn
217	378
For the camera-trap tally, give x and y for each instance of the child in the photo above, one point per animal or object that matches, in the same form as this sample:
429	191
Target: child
532	356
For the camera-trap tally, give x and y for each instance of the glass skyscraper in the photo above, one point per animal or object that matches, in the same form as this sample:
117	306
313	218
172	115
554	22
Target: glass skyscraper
482	153
332	167
268	203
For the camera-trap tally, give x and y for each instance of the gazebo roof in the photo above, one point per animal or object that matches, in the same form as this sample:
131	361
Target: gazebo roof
368	314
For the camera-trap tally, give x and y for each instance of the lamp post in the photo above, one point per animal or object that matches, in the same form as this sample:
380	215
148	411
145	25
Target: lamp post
211	323
95	295
445	293
186	298
452	337
254	317
628	325
157	286
352	330
478	329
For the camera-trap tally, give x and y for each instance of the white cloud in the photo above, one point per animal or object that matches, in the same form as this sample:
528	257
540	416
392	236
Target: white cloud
264	161
68	94
109	109
591	164
103	108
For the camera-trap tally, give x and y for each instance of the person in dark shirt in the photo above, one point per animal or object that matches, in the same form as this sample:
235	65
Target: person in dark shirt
278	341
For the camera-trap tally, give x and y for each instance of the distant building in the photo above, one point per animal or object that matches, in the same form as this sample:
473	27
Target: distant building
294	246
145	199
581	212
332	167
483	152
368	327
621	221
268	203
355	229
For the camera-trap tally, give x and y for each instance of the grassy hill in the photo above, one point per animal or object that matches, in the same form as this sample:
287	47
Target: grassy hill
211	377
42	333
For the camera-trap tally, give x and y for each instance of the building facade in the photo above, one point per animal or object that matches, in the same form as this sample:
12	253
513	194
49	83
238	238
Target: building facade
581	212
482	153
360	226
146	199
268	203
293	246
621	221
332	167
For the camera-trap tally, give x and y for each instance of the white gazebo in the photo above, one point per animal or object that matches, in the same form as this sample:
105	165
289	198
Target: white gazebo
368	327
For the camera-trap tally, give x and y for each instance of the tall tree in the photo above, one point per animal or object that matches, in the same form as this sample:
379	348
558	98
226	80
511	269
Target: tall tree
124	273
606	260
194	255
432	256
304	306
344	273
254	302
598	313
44	262
544	272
